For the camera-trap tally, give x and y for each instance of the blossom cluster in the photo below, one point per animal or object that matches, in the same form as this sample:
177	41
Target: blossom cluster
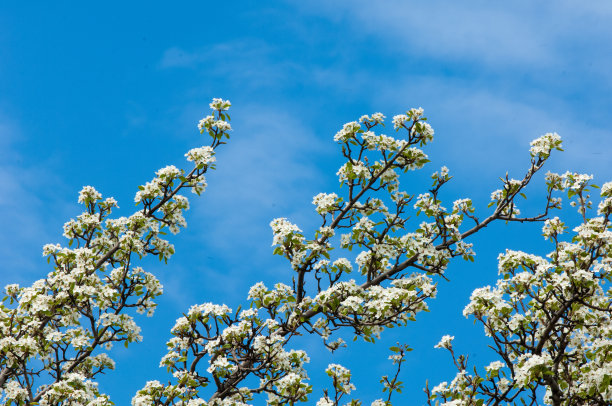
542	146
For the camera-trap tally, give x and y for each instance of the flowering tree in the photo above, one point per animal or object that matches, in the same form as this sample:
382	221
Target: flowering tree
551	323
549	319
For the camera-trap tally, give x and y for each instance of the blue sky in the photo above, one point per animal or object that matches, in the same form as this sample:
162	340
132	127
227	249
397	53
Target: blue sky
104	96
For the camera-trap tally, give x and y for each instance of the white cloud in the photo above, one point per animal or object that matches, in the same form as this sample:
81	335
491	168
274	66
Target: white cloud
496	35
178	58
269	169
27	203
247	64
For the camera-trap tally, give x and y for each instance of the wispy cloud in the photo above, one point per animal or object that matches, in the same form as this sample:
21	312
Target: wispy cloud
19	210
239	51
527	35
178	58
248	62
269	170
29	198
271	167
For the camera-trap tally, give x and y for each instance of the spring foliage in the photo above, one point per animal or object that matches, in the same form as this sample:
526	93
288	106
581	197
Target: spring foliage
548	318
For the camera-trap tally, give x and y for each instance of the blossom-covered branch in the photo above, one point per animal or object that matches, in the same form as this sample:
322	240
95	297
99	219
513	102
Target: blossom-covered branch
549	319
52	332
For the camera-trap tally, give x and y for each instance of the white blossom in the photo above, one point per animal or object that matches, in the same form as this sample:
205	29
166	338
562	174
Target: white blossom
324	202
445	342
